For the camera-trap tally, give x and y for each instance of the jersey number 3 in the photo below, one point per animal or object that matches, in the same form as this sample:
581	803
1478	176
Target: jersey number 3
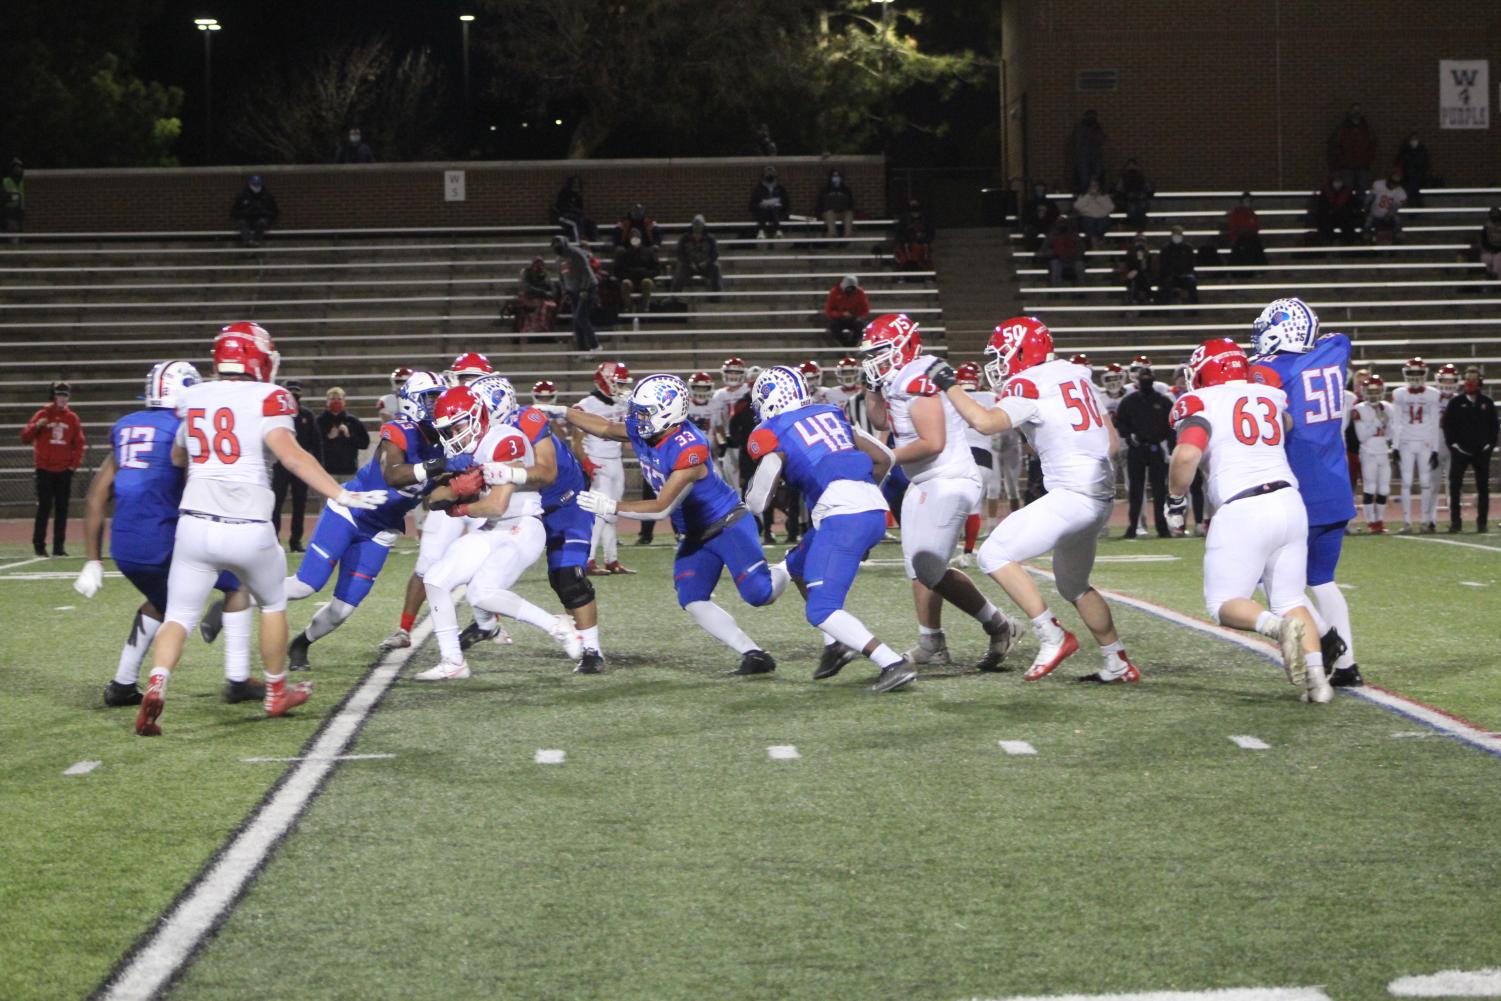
224	444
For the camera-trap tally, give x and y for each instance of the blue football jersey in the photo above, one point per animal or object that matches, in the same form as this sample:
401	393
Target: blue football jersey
711	497
415	449
570	481
148	488
1315	387
819	446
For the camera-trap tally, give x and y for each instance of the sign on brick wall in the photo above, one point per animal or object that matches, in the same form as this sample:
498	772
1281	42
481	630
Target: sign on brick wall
1464	93
453	185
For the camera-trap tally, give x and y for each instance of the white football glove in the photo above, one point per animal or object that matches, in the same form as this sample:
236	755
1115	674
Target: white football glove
500	473
364	500
1176	512
90	579
551	409
598	503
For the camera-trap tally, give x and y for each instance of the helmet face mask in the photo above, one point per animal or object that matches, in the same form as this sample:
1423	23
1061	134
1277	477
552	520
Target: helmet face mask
1415	373
812	373
1448	380
460	420
1373	389
613	379
968	375
658	405
701	387
733	372
890	342
166	381
848	372
418	395
1286	325
777	391
1114	379
544	391
498	395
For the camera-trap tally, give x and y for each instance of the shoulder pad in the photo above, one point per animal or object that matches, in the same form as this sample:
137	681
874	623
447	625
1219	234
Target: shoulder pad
1025	388
1187	405
278	403
1266	376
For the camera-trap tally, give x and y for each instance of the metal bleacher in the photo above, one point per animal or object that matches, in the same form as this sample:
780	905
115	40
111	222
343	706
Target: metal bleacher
348	306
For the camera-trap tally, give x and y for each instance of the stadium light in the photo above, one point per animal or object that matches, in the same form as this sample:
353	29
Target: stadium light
464	20
466	17
208	25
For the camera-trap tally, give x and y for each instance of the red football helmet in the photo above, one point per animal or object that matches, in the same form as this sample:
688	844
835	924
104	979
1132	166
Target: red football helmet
733	372
1081	359
890	341
1218	361
1448	380
1373	388
700	387
245	348
1139	364
544	391
470	366
461	418
812	373
968	375
1113	379
847	371
1415	373
1017	345
400	375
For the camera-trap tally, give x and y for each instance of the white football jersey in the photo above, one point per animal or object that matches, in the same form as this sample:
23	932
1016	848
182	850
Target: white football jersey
839	396
975	439
1055	407
1246	438
1109	404
1415	417
596	448
1373	427
724	404
701	415
224	427
388	406
1344	418
506	443
899	389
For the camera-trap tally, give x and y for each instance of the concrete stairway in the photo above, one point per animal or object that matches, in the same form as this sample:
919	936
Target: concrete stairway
977	286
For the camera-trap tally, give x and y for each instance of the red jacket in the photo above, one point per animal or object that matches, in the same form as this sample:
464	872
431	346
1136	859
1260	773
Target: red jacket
841	302
56	435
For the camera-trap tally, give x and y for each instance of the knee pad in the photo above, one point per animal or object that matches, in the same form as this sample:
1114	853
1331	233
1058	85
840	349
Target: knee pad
1381	498
1367	499
572	586
929	568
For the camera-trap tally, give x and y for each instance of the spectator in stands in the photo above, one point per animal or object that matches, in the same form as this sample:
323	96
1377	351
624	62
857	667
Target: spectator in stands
698	257
636	219
636	268
355	150
1469	422
1136	270
1038	217
580	285
836	203
308	436
344	436
254	211
13	199
1093	210
762	145
1063	252
847	310
1087	151
568	211
1352	149
55	435
1242	231
914	239
1490	243
1383	206
1175	268
536	299
769	204
1412	158
1133	194
1336	208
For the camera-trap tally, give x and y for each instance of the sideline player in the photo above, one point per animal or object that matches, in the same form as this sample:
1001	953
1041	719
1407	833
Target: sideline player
727	401
388	407
831	465
700	392
1372	420
1260	529
1417	410
1052	402
706	512
932	451
147	489
229	425
1311	369
601	460
987	458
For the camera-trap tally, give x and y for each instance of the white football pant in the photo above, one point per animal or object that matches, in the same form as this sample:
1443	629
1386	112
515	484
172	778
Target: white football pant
1410	458
1061	522
933	514
608	479
488	560
204	548
1262	538
1376	482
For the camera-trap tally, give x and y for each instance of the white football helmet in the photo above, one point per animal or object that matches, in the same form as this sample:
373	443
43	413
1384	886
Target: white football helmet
499	396
658	404
418	394
778	390
1285	325
167	380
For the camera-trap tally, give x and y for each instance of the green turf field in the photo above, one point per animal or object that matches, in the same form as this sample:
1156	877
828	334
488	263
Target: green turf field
902	854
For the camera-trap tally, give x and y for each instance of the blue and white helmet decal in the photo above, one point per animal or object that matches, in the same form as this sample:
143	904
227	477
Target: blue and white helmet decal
499	396
658	402
167	380
778	390
1285	325
416	397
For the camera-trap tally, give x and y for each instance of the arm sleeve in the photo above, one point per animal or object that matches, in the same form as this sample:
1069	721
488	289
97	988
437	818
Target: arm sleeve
1194	431
759	493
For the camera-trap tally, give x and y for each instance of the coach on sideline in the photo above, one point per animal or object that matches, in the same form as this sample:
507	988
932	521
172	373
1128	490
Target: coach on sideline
1469	423
56	436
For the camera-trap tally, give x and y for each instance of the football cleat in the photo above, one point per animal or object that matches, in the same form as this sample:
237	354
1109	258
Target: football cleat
1430	529
1050	655
248	690
297	653
1333	646
755	662
473	634
281	696
1117	670
152	704
590	663
1317	687
1002	637
962	561
615	567
833	659
212	622
564	631
399	640
932	649
1290	639
116	694
593	569
1378	528
898	675
1346	677
445	671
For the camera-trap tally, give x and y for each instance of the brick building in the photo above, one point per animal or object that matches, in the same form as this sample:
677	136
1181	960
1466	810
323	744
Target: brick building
1218	94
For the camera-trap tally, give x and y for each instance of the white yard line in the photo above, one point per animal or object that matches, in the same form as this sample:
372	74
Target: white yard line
1449	984
1223	994
153	963
336	757
55	575
1250	743
782	752
545	756
22	563
82	767
1447	542
1016	747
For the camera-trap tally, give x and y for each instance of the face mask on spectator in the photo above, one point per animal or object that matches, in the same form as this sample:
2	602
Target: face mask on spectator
635	241
835	180
769	177
1472	384
354	137
1177	237
336	405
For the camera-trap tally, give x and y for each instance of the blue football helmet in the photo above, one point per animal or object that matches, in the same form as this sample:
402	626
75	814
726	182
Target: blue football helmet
778	390
1286	325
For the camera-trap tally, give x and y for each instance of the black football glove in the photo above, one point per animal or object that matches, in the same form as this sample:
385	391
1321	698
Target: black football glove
1432	460
942	375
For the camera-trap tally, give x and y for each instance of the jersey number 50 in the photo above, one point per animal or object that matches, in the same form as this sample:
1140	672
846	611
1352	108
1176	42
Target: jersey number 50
224	444
1079	397
1324	391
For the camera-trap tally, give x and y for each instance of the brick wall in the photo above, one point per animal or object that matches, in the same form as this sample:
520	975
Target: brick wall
411	194
1222	95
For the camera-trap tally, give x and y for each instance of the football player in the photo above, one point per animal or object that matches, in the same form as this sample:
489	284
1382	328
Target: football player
1418	436
813	446
1260	530
1372	421
727	401
147	490
601	460
812	374
545	393
933	452
229	426
473	422
388	407
467	367
847	394
1052	402
984	449
1311	369
700	393
706	512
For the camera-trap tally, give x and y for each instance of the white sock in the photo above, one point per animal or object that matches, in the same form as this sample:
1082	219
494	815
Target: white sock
333	617
297	589
780	578
1113	649
1330	601
133	653
929	631
591	638
609	537
1269	625
884	656
989	614
596	535
512	605
445	622
829	640
237	626
1045	628
164	673
847	629
484	618
719	624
